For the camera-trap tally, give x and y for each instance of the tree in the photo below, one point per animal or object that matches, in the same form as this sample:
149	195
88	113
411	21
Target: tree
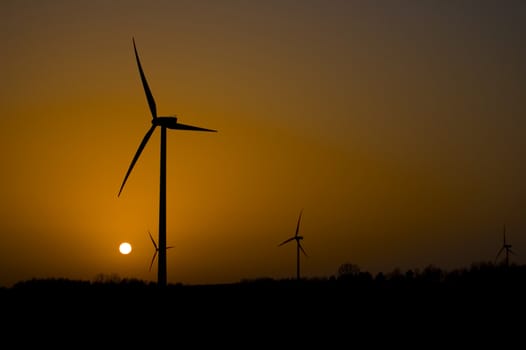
348	270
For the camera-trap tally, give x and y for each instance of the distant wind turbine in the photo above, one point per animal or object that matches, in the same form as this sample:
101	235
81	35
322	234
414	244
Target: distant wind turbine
505	247
156	250
297	238
169	122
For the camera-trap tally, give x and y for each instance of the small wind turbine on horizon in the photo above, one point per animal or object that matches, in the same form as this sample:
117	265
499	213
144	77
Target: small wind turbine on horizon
165	122
505	247
297	238
156	250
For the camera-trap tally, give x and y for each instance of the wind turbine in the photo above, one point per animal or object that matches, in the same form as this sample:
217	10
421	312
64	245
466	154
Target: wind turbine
156	250
297	238
169	122
505	247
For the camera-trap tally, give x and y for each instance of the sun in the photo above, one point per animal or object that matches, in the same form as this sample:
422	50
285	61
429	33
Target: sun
125	248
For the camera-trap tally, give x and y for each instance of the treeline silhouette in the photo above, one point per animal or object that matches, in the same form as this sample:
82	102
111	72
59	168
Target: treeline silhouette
349	278
431	300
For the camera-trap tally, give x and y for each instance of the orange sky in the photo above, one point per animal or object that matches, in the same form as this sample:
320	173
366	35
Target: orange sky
398	127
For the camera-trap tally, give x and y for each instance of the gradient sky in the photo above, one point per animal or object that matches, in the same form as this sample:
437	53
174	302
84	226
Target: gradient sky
398	126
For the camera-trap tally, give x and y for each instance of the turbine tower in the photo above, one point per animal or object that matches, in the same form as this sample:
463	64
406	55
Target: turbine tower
156	250
297	238
169	122
505	247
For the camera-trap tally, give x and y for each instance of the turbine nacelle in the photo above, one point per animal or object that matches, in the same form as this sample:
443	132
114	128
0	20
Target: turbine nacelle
168	121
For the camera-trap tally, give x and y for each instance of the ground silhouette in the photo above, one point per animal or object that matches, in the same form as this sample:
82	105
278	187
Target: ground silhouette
400	307
348	285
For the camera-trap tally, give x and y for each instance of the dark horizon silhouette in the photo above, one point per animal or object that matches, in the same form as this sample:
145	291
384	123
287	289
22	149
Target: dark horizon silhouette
483	277
403	307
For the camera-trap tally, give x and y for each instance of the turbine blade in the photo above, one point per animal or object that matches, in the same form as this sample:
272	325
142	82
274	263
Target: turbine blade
149	96
154	244
286	241
169	247
180	126
498	254
512	252
298	225
153	259
303	250
139	150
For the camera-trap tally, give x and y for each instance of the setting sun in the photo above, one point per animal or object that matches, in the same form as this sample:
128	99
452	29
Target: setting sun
125	248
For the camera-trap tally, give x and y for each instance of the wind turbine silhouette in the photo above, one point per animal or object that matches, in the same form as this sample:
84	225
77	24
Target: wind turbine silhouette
297	238
169	122
505	247
156	250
